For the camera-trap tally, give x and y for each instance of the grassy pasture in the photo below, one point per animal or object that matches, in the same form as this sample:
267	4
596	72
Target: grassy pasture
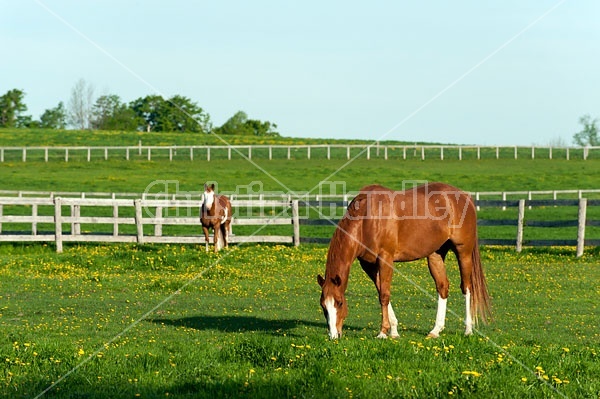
174	321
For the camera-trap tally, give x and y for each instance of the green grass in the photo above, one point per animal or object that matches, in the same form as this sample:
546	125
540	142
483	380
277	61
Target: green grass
299	175
174	321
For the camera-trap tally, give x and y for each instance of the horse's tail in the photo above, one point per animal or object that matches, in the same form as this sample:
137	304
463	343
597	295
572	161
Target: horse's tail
480	298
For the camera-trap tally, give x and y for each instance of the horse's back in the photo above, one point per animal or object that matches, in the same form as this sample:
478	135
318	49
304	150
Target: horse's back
411	224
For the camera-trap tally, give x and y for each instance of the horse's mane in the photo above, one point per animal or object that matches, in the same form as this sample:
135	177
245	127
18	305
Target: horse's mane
348	234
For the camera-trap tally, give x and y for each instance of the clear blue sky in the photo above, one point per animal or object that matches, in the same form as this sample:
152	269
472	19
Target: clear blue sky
459	72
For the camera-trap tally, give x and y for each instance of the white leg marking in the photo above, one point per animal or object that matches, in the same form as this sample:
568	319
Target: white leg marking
393	322
468	318
331	318
440	318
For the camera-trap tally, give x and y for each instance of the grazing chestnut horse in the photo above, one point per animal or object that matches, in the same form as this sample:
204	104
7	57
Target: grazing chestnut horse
215	214
382	226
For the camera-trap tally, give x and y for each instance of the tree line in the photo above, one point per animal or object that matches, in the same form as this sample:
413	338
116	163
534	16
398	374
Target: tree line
152	113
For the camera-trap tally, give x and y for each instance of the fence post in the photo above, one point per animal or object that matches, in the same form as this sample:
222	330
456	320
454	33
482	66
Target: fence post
520	223
58	224
441	153
24	154
581	216
116	222
138	221
158	226
76	213
296	222
1	208
208	154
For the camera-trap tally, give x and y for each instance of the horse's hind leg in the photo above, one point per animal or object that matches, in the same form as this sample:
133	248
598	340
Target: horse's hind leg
465	265
435	261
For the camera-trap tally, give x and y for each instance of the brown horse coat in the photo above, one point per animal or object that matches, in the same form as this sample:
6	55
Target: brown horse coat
215	213
382	226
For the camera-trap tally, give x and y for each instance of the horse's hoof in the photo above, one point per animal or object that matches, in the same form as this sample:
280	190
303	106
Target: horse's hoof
394	336
432	335
382	335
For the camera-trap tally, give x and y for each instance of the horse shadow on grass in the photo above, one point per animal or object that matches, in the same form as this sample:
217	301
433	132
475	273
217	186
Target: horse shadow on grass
238	324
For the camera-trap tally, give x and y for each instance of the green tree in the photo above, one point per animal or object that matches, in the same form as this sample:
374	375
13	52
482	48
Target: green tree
240	124
589	134
148	109
54	118
11	108
184	115
109	113
177	114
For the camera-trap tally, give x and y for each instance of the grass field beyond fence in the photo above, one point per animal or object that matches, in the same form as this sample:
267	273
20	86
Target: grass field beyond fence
174	321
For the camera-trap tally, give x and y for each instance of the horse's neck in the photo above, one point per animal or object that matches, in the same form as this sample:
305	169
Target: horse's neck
343	250
213	209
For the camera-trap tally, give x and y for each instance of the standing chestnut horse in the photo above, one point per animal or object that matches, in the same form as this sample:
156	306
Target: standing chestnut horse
382	226
215	214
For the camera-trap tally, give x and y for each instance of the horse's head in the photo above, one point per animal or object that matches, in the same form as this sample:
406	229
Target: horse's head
333	303
208	198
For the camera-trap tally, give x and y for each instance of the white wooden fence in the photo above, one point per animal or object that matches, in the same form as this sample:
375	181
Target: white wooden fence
283	151
155	214
145	213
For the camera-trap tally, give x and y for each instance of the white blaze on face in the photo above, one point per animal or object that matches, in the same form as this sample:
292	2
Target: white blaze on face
331	317
209	199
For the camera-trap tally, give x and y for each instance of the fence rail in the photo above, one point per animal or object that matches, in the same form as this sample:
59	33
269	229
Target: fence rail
283	151
142	221
530	195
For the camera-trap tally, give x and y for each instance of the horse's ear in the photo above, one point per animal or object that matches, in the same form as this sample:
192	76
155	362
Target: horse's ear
212	186
337	280
320	280
205	186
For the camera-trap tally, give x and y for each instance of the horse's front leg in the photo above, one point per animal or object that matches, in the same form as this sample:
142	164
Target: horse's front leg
206	237
383	282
